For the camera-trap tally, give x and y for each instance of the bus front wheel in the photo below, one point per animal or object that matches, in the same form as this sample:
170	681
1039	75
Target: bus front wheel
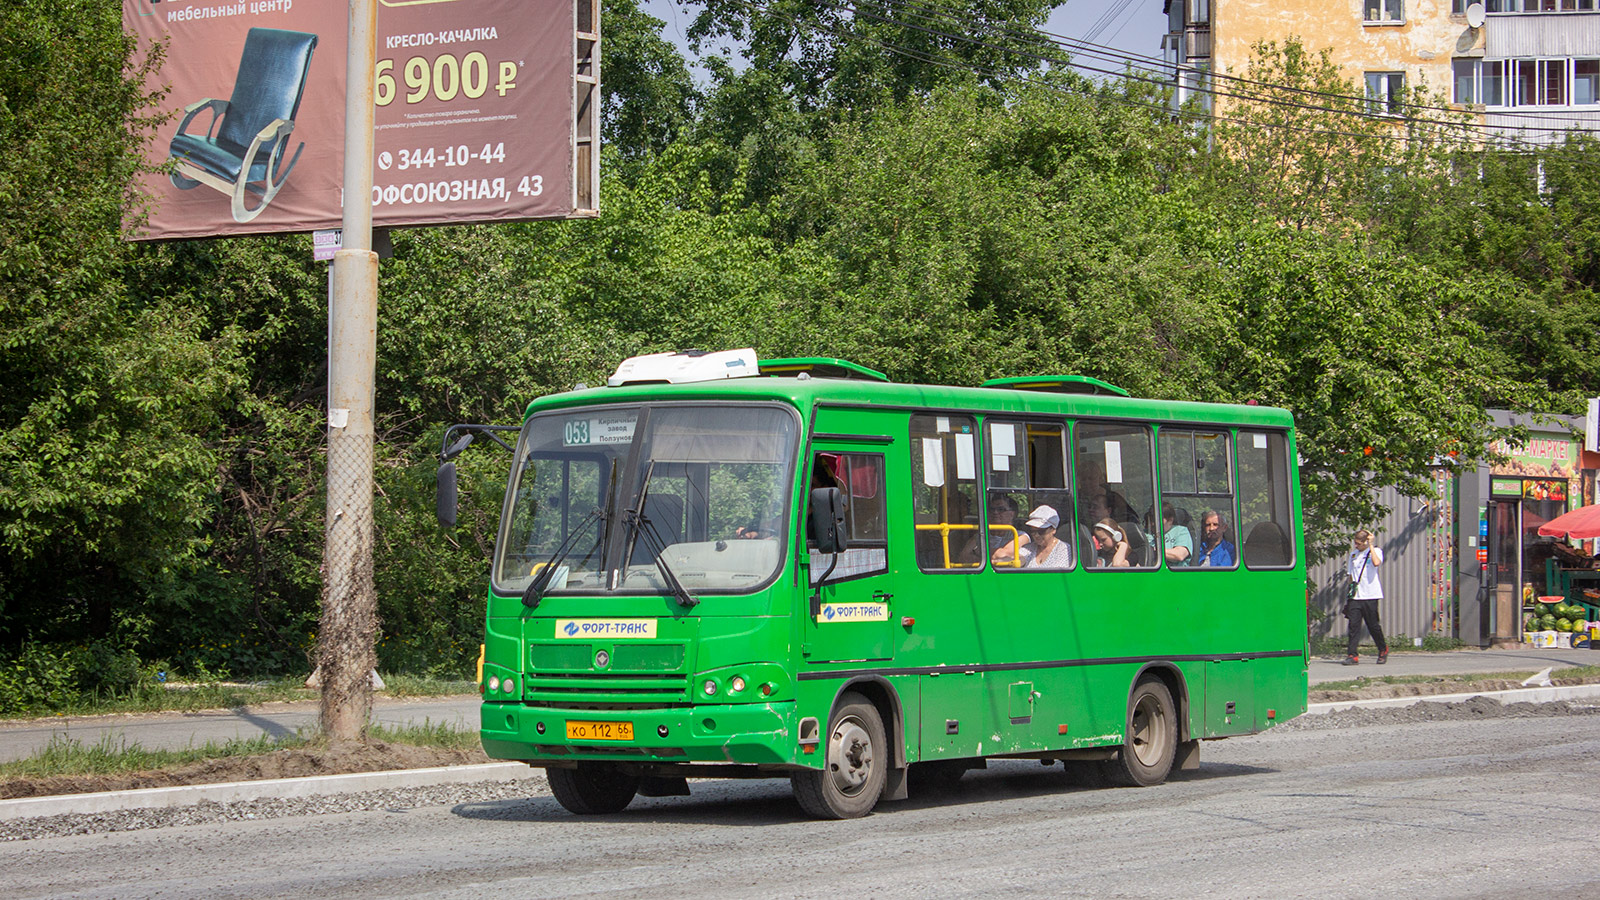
857	764
1151	741
593	788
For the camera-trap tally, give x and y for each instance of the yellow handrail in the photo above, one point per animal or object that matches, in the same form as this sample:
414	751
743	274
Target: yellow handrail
944	529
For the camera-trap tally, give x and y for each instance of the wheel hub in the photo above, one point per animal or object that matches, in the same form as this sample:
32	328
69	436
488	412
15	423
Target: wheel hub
850	756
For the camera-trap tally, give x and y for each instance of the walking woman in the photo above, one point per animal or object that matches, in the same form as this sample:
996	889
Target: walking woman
1365	592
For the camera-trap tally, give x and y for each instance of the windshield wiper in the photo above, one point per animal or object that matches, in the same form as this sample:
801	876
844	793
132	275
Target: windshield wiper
639	524
535	589
534	592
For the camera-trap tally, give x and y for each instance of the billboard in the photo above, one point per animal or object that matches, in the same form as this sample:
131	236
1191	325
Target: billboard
485	110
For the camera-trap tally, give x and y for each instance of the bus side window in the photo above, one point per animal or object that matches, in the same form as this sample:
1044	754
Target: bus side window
1027	469
944	490
1265	519
859	476
1196	484
1116	482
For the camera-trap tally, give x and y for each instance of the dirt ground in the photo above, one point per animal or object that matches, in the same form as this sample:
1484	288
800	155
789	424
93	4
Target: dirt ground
378	756
374	757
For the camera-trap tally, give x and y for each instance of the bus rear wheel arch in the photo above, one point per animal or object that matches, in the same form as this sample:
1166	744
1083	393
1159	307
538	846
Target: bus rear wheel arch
856	764
1151	736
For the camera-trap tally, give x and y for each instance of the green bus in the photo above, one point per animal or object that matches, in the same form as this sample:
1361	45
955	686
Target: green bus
716	566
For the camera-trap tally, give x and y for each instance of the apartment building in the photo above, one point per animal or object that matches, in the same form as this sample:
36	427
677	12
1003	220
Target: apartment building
1528	67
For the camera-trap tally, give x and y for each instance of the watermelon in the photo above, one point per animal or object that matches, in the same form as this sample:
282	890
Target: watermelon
1563	624
1539	609
1547	623
1561	611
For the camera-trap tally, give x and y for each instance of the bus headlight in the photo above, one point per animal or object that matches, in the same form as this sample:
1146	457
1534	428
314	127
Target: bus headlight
710	687
494	682
737	683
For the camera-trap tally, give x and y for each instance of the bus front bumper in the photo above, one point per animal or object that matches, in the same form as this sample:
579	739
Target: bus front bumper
753	733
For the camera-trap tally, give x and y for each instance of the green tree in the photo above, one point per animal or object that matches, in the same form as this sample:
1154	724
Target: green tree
109	399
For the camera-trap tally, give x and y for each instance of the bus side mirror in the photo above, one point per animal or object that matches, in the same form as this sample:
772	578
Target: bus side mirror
827	520
444	495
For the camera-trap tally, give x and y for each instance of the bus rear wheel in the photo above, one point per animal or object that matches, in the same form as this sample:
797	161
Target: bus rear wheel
1151	738
856	765
593	788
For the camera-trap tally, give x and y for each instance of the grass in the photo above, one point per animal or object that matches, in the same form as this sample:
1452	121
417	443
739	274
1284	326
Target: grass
228	695
113	755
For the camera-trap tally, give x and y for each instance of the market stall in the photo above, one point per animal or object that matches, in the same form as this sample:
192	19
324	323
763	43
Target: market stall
1570	614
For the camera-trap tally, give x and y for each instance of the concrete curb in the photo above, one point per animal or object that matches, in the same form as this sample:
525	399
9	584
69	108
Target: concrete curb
269	789
1518	695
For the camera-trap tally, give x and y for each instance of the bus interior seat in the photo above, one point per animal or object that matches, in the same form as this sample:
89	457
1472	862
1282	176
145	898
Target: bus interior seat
1140	550
1266	546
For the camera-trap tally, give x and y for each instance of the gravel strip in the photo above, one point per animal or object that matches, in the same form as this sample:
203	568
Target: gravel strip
210	812
1433	711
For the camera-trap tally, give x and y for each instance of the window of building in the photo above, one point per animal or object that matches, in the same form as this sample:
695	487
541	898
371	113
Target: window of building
1196	486
1464	76
944	489
1383	11
1553	82
1266	522
1116	486
1585	81
1027	470
1386	91
1492	82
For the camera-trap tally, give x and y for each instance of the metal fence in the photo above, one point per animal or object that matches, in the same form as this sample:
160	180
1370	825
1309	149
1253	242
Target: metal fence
1418	542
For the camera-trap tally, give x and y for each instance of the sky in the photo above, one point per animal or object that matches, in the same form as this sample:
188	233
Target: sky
1134	26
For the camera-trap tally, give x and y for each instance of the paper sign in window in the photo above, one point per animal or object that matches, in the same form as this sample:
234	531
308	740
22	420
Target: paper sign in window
933	462
1259	440
1004	439
1113	462
966	457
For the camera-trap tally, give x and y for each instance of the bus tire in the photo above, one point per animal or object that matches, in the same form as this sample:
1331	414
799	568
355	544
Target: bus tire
856	767
1151	741
593	788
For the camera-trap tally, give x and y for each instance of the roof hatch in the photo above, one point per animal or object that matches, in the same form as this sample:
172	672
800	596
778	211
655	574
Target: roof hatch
1057	384
820	367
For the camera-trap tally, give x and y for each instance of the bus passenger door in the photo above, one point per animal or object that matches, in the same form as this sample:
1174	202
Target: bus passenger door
850	611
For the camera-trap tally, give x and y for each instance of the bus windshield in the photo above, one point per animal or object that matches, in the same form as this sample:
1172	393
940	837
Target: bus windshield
625	488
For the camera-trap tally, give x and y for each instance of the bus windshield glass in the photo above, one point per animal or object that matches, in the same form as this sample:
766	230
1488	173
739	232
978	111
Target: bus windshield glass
622	489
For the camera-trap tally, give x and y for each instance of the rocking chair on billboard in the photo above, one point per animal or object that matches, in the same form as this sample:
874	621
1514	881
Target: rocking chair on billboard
242	149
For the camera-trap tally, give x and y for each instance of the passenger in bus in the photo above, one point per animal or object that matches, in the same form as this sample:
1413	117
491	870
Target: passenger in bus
1176	539
1004	545
1111	545
1215	548
1048	551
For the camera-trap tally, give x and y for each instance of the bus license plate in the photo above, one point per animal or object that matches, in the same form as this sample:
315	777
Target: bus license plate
599	731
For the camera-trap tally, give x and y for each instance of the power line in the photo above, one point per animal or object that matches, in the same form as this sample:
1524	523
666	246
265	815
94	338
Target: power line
856	6
1004	75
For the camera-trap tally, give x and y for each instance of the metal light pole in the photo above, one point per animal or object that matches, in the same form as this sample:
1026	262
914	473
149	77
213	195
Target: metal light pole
346	642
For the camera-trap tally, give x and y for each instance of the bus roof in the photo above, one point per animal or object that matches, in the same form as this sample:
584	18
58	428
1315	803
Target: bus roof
807	392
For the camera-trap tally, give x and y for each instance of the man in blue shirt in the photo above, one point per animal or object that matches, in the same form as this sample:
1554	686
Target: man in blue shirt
1215	549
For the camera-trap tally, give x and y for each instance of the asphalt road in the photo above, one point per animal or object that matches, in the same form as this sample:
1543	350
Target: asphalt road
176	731
1332	807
